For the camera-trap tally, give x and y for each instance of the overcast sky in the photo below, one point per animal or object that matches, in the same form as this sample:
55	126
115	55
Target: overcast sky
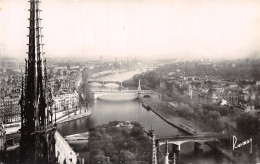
147	28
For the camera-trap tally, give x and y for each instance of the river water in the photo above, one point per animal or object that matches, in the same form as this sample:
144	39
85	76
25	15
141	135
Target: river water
104	111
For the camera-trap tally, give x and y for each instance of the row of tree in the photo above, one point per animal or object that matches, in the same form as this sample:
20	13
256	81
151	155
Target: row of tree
207	113
210	118
211	114
86	98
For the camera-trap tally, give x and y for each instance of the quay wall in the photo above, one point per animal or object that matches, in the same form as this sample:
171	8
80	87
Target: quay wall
169	122
149	106
72	116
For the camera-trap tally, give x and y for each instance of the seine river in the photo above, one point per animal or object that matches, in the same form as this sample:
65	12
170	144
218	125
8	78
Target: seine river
103	112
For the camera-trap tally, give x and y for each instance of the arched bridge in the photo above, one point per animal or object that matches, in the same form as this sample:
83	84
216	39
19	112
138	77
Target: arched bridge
125	94
105	82
178	140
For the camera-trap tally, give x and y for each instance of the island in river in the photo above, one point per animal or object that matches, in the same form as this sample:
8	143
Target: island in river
120	142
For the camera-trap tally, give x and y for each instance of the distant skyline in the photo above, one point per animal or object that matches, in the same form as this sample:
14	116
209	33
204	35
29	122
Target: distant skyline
136	28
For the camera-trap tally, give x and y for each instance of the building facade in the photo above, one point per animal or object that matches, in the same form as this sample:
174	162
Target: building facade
10	110
66	101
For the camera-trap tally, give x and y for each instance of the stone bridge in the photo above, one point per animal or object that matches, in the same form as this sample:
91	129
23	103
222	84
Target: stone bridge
126	94
105	82
176	142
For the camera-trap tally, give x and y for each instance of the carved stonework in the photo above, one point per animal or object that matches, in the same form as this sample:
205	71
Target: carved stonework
37	144
41	149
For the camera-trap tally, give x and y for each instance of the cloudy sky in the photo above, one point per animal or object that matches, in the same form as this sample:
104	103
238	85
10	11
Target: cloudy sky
147	28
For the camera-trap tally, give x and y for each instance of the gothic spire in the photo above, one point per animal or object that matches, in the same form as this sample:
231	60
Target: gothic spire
33	104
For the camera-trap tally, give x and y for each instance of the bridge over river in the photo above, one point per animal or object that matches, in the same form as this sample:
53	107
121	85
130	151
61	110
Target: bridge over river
176	141
124	94
103	82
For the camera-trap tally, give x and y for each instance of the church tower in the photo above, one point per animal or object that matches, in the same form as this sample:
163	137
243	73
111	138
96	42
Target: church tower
37	144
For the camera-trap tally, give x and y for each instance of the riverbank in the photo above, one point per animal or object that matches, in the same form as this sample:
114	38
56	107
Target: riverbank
74	116
14	127
171	117
189	127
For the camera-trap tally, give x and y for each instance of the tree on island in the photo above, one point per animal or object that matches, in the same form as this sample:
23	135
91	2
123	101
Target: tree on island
214	115
109	143
186	110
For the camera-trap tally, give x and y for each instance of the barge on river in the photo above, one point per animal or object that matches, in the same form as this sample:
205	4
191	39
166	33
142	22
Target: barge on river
77	139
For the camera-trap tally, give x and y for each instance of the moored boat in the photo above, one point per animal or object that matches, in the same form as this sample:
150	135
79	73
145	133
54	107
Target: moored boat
77	139
146	106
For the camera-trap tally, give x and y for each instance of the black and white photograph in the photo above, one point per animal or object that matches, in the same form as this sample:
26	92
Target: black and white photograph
129	81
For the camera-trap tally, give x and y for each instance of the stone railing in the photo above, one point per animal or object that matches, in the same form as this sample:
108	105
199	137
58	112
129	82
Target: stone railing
64	152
